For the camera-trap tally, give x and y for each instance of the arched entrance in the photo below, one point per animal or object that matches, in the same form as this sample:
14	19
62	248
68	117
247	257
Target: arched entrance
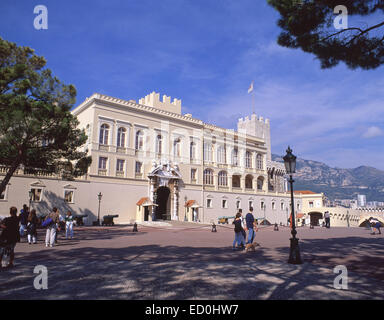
162	209
315	217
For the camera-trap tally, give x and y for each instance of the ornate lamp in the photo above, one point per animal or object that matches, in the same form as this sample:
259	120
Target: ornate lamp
290	167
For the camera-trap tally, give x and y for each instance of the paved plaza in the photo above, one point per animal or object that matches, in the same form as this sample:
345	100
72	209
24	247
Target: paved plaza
188	261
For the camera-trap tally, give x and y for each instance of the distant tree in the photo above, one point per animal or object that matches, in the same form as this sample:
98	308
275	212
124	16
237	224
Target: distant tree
309	25
37	129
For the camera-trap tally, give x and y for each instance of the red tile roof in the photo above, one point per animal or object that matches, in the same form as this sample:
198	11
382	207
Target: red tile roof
141	201
189	203
304	192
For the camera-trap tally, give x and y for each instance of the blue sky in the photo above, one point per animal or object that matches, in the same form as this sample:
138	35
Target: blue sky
207	53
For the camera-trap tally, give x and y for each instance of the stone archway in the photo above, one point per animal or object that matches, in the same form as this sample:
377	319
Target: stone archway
162	211
315	217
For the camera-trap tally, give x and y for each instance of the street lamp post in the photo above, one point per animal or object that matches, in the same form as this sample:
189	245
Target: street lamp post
290	167
99	196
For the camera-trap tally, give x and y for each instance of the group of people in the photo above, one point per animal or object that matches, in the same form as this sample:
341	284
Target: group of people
241	226
14	227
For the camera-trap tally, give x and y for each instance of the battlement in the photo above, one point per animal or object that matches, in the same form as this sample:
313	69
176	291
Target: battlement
253	119
153	100
257	127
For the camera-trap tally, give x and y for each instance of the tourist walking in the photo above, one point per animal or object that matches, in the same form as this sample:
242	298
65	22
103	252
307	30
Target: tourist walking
9	237
23	217
69	219
32	227
250	221
240	211
51	222
239	239
327	218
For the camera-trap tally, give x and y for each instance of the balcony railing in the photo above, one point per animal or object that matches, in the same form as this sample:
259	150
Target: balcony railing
120	174
102	172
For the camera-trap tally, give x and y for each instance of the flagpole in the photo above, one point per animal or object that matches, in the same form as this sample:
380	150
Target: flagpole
254	102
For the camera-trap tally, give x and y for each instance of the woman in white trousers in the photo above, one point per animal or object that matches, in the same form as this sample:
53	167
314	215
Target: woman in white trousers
69	225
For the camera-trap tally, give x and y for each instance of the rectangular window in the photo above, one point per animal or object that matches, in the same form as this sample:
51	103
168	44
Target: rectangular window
120	165
311	204
238	204
36	194
224	204
209	203
138	167
262	205
103	163
193	174
68	196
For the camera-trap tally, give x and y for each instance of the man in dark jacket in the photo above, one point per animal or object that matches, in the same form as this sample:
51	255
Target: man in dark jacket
250	221
23	217
9	236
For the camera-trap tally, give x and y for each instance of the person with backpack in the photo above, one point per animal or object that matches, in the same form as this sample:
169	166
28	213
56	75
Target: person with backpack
23	217
238	233
51	222
9	237
244	234
69	225
250	221
32	227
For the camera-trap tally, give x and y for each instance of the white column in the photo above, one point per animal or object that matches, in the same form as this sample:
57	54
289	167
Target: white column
175	201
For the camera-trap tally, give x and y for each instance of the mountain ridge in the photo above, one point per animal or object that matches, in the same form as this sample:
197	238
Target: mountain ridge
338	183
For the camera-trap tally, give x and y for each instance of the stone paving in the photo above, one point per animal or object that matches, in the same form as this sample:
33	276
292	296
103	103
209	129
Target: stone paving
188	261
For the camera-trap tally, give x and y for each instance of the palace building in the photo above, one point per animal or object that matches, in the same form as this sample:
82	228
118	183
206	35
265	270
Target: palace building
151	162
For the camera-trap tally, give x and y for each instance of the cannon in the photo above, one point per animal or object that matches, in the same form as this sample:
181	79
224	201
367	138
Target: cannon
108	220
79	219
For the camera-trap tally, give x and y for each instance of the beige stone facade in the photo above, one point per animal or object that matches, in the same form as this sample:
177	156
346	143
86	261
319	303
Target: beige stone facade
150	149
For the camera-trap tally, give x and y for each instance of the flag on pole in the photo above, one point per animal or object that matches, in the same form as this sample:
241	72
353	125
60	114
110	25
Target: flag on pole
250	89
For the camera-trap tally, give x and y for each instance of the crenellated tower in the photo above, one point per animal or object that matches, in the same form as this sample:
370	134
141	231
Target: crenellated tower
257	127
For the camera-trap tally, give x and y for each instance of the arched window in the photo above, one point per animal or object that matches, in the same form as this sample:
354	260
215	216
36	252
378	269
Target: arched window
208	176
248	159
221	155
177	147
235	157
139	144
236	181
260	182
207	152
159	144
249	181
223	179
104	134
259	162
121	132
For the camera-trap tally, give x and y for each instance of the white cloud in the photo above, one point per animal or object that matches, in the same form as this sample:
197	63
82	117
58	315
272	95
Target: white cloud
373	132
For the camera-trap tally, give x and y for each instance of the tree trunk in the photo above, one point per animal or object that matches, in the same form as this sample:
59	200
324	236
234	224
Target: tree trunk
8	176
